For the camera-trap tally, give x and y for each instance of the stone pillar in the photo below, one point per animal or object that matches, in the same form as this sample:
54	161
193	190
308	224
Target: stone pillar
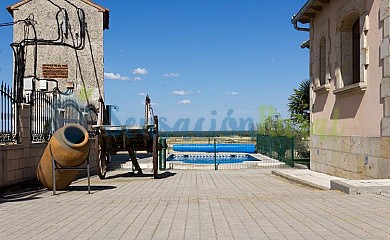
385	56
60	118
3	157
24	125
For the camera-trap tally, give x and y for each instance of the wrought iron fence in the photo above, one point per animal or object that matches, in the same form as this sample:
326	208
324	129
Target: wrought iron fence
8	114
50	111
76	112
214	151
42	116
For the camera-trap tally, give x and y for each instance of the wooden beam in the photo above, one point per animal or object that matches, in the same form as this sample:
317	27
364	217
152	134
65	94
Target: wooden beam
324	1
304	20
316	8
310	15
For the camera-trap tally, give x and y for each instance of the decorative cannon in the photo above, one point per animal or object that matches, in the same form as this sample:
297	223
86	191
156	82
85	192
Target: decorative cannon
112	139
68	148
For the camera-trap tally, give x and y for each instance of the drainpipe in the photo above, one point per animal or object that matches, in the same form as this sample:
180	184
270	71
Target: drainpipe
295	23
297	16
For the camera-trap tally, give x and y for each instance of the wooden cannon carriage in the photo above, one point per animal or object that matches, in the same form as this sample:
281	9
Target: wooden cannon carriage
112	139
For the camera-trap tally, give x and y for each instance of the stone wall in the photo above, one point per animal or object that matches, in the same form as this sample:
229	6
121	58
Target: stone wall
83	65
385	57
351	121
18	163
351	157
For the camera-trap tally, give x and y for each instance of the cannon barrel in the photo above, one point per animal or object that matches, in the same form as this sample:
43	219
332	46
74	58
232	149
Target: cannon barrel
69	146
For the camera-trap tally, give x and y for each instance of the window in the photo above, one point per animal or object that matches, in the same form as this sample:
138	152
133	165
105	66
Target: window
322	71
352	57
356	52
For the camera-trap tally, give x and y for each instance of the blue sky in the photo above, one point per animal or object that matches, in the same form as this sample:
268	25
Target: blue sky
196	59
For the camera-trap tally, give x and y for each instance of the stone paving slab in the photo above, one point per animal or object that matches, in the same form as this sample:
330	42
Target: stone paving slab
372	186
307	177
327	182
239	204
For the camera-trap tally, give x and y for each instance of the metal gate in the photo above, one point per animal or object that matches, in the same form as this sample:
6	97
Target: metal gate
49	112
42	116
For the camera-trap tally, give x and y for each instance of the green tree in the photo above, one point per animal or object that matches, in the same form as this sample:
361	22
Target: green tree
299	103
276	126
298	107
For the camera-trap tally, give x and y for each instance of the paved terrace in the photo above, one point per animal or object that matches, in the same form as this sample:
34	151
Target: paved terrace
239	204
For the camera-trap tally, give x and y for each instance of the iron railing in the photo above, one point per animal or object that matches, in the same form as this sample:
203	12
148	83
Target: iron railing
76	112
50	111
42	116
8	115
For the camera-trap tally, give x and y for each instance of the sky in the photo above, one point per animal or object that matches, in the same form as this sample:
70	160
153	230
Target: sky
206	64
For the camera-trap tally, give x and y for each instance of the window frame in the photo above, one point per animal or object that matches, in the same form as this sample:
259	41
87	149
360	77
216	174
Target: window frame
345	67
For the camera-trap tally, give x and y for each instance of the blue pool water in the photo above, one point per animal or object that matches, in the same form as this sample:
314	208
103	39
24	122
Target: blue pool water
209	159
235	147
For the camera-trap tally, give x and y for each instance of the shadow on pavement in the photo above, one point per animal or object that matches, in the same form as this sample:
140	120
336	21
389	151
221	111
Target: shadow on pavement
143	175
21	196
85	188
144	155
124	157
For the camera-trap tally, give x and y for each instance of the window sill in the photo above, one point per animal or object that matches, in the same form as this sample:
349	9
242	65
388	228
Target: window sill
355	88
322	89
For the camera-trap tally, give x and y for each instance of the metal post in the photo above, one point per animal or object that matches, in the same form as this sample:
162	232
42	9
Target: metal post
160	157
155	148
215	155
292	151
53	167
164	154
89	175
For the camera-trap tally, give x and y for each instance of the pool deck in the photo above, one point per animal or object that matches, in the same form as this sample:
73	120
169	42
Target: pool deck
202	204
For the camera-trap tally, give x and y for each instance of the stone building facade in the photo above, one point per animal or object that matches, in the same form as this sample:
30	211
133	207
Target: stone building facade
58	46
61	42
350	86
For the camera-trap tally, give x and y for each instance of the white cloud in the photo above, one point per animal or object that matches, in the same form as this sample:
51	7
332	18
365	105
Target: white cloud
116	76
232	93
140	71
185	102
171	75
181	92
142	94
137	79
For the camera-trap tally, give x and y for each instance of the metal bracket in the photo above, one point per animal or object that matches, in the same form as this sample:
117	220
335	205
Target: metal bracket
55	167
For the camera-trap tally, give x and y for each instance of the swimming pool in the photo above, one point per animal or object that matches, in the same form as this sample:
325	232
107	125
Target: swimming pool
209	158
235	147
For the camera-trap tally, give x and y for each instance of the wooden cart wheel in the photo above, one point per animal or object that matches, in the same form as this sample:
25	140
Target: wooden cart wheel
102	160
